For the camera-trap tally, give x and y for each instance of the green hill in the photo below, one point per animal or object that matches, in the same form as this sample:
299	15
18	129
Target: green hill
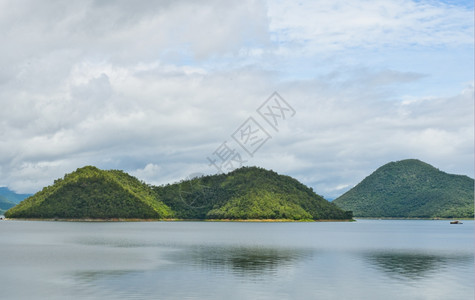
92	193
410	188
247	193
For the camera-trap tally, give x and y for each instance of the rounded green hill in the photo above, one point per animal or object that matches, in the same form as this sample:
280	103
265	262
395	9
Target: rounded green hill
246	193
92	193
410	189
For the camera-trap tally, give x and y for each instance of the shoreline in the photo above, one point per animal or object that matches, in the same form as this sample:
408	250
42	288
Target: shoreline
355	219
403	218
173	220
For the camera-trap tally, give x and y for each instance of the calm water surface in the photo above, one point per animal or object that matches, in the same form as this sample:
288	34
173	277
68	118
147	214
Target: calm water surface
367	259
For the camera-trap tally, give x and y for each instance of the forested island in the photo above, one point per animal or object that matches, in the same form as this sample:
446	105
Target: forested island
404	189
410	189
248	193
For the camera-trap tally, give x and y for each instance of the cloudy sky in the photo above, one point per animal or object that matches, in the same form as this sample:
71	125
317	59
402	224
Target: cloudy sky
155	88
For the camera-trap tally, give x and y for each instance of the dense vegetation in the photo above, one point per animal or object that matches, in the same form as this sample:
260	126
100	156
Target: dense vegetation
92	193
410	188
247	193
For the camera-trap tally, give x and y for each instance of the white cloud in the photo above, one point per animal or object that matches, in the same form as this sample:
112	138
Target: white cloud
155	87
149	173
319	26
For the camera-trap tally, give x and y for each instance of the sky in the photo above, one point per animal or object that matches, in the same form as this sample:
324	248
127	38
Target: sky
167	89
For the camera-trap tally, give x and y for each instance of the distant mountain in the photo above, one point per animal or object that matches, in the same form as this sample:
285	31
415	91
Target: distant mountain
8	199
247	193
5	204
410	188
12	196
92	193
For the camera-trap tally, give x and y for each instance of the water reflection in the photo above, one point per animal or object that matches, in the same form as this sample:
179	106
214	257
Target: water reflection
234	261
88	277
414	266
117	242
196	272
242	261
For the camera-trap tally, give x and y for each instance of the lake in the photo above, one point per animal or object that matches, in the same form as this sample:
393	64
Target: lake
367	259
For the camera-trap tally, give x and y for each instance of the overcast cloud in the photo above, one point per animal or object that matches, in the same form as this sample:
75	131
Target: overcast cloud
154	87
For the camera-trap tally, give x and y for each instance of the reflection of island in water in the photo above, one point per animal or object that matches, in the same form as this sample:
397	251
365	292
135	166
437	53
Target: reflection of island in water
409	265
242	261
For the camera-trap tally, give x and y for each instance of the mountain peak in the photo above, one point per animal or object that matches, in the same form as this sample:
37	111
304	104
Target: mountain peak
245	193
410	188
90	192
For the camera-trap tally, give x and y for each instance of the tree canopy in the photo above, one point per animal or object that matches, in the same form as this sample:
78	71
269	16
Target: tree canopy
410	188
246	193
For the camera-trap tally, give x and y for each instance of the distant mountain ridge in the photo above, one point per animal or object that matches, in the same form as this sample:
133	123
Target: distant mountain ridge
410	188
246	193
5	204
8	199
12	196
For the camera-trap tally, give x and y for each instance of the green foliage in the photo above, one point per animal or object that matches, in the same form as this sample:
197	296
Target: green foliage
92	193
247	193
410	188
259	204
